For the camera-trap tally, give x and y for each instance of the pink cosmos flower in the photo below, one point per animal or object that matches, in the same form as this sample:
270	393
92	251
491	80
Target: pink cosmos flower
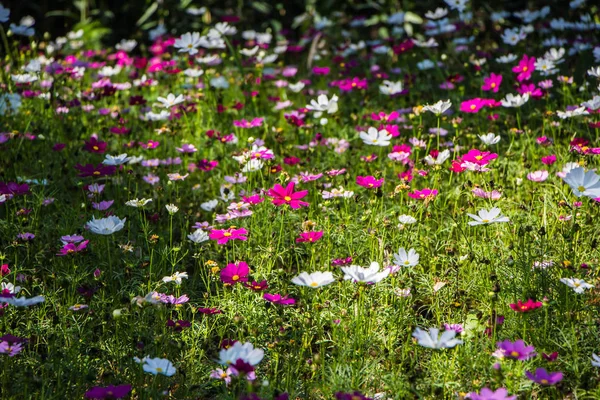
425	194
222	236
309	237
287	196
71	248
525	68
235	273
369	182
538	176
248	124
493	195
492	83
278	299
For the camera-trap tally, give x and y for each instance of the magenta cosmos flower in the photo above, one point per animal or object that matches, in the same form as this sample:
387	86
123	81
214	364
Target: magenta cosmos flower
492	83
517	350
309	237
234	273
544	377
525	68
479	157
473	105
369	182
108	392
278	299
425	194
222	236
287	196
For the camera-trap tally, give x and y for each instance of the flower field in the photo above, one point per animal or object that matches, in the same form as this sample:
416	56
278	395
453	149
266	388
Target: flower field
389	204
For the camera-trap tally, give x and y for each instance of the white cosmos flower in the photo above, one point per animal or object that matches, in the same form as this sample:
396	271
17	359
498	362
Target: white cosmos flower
593	104
106	226
171	208
442	156
583	183
296	87
177	277
314	280
198	236
405	259
170	101
188	43
512	100
253	165
433	340
241	351
209	205
193	73
407	219
8	287
161	116
115	160
487	217
157	366
324	104
24	78
390	88
490	138
376	137
594	71
22	301
249	52
370	274
572	113
137	203
595	360
578	285
438	108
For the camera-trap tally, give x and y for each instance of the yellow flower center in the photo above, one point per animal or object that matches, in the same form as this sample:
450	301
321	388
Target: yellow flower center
473	106
485	220
95	147
159	369
314	284
287	198
235	278
544	381
227	234
493	85
514	353
581	188
525	69
478	158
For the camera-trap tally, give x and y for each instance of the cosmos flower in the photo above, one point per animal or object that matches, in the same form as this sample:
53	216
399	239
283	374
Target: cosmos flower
485	217
287	196
222	236
278	299
106	226
544	377
578	285
376	137
314	279
527	306
157	366
424	194
235	273
108	392
438	108
406	259
433	340
369	182
241	351
310	237
583	183
489	394
517	350
370	274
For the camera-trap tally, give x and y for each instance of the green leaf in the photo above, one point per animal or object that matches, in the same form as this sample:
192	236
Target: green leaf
151	10
261	6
